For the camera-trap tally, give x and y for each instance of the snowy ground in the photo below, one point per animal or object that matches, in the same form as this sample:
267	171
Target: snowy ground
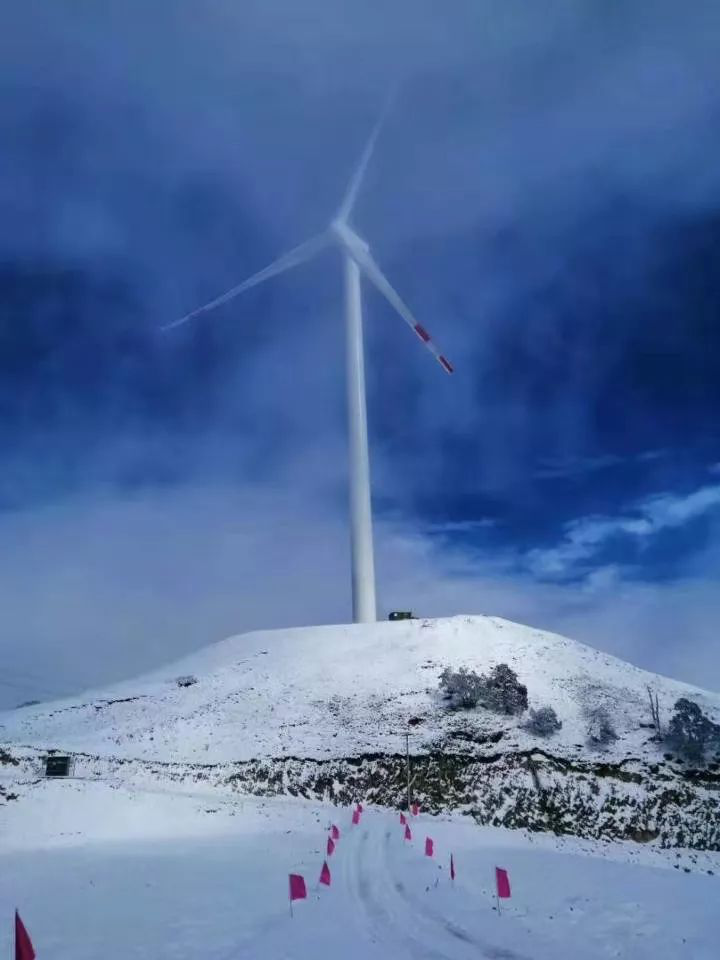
344	690
98	870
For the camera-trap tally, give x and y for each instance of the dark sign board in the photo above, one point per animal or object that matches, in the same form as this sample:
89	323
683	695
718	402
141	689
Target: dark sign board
57	766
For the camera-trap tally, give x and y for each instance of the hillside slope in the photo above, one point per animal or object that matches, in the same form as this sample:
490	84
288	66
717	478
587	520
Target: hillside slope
339	691
321	713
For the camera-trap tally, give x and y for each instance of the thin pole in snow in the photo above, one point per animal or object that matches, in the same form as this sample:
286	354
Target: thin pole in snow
407	769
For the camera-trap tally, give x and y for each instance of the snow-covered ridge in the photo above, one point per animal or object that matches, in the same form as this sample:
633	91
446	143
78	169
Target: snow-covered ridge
339	691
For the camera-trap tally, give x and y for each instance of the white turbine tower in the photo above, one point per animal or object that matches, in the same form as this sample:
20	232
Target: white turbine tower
357	260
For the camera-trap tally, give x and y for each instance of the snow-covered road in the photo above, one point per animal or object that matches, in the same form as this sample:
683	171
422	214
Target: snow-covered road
101	871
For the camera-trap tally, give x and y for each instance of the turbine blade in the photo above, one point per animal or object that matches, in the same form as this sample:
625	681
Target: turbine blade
305	251
372	271
346	207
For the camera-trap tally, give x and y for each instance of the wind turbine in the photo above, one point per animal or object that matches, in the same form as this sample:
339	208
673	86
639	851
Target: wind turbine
357	259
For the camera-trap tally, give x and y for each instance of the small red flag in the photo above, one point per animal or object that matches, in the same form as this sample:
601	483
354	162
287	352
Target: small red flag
429	847
452	867
298	890
356	817
415	809
330	847
403	819
503	883
23	947
408	834
325	874
335	833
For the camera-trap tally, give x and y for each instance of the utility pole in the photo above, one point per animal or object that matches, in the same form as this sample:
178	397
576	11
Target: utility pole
407	769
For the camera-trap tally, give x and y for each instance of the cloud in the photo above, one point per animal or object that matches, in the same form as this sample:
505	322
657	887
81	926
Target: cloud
576	466
460	526
584	538
181	152
101	588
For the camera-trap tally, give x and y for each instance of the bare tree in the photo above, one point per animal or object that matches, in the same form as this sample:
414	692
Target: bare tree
654	710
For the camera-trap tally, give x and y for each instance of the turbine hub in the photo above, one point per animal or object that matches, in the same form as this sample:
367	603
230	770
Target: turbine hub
346	236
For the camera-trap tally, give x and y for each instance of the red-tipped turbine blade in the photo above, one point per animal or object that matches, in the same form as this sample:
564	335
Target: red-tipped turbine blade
362	256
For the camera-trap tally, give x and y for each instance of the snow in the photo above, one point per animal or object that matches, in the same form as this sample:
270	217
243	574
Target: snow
339	691
101	871
161	857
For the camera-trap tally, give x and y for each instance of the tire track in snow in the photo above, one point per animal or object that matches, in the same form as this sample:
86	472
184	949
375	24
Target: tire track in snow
374	894
416	915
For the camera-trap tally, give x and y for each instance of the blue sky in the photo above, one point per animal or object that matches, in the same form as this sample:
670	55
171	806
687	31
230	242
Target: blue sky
545	197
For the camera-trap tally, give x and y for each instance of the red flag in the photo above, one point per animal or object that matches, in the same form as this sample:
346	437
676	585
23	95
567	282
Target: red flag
325	874
356	817
403	819
452	867
23	947
297	887
408	835
415	809
330	847
503	883
429	847
335	833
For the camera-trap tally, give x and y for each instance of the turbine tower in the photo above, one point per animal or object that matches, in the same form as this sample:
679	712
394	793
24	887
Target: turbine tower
357	261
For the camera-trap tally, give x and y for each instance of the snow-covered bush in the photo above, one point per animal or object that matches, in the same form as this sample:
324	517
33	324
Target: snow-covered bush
600	729
543	722
461	687
691	734
502	691
187	681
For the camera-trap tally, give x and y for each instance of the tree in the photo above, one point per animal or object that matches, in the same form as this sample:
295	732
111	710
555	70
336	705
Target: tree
500	690
543	722
655	710
503	692
600	727
461	687
690	733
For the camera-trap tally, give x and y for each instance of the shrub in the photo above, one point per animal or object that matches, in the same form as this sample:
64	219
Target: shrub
543	722
503	692
600	727
500	690
187	681
690	733
461	687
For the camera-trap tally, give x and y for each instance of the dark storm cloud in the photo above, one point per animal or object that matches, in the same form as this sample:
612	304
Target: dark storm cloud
545	198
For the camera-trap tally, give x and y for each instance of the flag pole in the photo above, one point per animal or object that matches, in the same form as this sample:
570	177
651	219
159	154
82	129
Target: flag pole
290	897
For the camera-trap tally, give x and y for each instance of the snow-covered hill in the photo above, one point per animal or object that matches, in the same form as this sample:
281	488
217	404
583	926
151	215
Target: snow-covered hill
339	691
322	712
